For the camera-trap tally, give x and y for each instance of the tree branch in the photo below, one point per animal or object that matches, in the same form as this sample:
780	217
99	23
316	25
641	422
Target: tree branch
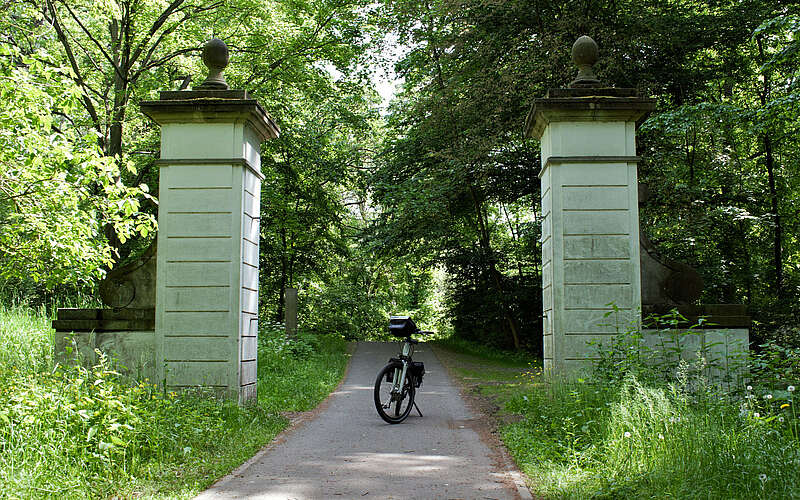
158	62
78	78
157	43
94	40
28	190
171	8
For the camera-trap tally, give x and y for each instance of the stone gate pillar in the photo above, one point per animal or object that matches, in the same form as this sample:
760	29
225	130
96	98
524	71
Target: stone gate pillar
590	229
207	269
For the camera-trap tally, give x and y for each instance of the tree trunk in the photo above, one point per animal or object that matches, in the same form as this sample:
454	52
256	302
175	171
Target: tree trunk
114	143
777	250
777	245
514	237
486	247
747	261
284	271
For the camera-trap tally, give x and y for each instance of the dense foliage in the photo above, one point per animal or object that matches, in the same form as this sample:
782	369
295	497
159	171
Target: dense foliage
56	188
432	207
457	181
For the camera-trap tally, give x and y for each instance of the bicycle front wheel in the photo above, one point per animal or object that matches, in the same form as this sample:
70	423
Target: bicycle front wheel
392	406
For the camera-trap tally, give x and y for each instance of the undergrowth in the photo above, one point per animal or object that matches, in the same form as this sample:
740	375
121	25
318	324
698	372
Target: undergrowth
663	422
72	432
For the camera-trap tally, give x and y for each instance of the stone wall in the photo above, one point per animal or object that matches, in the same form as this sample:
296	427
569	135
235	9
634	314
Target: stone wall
132	353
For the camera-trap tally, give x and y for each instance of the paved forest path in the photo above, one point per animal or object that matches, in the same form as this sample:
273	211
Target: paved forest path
347	451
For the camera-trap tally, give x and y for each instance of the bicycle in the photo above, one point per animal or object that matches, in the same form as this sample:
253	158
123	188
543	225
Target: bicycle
398	381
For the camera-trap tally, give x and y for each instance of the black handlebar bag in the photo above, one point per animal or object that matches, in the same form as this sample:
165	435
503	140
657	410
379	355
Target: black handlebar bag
402	326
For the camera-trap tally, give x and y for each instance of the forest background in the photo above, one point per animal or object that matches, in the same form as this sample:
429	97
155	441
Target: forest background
429	206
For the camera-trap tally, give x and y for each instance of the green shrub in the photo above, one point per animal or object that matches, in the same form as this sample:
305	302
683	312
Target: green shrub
82	432
774	365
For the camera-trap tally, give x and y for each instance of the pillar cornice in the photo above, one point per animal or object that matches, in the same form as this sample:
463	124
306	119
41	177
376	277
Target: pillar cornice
209	106
596	104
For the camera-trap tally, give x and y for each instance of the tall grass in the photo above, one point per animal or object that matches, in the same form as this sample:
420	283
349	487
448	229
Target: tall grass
26	340
582	440
300	372
73	432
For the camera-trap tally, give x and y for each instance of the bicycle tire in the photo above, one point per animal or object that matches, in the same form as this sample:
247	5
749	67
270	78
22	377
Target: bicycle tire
393	412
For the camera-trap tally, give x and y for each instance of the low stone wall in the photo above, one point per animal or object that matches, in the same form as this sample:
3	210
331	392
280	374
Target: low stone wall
716	352
132	353
126	336
720	354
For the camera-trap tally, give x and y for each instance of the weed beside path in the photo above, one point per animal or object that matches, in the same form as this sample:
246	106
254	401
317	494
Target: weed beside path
70	432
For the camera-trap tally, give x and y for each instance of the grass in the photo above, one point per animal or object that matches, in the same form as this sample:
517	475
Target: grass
623	438
485	355
70	432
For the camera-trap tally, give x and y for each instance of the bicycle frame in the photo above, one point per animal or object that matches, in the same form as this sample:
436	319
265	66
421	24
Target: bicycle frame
405	356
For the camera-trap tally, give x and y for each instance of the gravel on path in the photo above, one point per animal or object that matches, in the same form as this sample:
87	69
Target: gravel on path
347	451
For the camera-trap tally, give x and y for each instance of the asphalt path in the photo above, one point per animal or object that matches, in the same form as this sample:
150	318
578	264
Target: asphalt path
345	450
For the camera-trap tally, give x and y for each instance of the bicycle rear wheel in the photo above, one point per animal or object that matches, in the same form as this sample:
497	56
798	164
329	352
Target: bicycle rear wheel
393	408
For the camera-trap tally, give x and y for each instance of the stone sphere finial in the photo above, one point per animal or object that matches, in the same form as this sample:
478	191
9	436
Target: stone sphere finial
585	54
215	57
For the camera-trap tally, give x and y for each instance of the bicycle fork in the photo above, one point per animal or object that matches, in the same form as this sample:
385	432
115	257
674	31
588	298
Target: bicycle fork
399	377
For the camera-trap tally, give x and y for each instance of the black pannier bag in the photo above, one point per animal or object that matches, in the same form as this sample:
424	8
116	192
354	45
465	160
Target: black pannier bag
417	371
402	326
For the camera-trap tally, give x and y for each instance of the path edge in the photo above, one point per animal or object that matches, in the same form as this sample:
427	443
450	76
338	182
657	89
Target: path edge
508	465
294	424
